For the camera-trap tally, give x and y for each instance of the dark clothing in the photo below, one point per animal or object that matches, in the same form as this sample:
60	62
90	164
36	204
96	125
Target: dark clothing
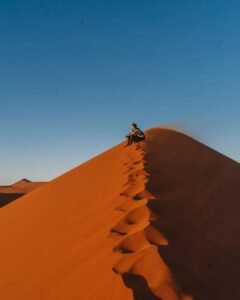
135	136
137	132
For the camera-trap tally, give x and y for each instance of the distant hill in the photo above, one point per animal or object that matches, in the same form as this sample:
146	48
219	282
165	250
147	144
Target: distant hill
9	193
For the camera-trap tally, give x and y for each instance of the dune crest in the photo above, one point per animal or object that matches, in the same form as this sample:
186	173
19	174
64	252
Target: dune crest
139	245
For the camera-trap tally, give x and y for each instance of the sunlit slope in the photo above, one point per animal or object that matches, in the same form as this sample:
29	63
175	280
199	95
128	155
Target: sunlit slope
56	243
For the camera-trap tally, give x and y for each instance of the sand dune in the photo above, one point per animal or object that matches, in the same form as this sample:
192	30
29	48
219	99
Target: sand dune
8	193
157	220
197	194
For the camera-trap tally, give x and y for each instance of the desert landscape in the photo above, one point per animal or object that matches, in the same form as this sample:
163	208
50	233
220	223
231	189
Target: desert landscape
155	220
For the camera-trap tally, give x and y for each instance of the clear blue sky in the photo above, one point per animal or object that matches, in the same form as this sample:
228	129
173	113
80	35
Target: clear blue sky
75	74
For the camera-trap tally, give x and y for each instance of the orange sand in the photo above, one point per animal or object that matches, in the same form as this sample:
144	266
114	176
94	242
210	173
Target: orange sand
157	220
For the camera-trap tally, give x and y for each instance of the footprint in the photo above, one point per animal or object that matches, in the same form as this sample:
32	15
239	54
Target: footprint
135	220
126	261
134	242
143	194
138	215
133	190
138	162
155	236
137	177
130	204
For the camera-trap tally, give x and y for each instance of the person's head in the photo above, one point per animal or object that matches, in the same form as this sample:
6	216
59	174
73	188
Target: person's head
134	126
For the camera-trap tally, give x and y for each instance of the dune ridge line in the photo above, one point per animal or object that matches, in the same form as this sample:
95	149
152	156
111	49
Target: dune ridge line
139	239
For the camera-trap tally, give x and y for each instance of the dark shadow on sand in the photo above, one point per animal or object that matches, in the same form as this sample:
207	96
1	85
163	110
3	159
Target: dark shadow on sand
197	209
139	286
8	198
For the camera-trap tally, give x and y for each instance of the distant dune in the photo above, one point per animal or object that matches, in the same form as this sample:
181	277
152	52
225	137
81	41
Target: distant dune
156	220
8	193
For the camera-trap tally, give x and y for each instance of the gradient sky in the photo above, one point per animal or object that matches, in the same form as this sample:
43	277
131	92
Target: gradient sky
75	74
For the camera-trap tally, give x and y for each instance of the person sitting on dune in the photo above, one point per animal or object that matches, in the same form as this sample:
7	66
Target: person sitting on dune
136	135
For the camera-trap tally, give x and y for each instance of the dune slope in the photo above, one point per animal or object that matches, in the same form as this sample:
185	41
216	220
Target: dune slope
197	204
157	220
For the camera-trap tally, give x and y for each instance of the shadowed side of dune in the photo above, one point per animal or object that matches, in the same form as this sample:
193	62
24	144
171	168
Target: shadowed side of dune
139	286
197	206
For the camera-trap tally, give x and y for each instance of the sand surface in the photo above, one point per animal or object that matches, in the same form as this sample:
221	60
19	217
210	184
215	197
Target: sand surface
157	220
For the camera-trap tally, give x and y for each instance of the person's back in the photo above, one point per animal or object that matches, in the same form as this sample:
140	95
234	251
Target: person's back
139	133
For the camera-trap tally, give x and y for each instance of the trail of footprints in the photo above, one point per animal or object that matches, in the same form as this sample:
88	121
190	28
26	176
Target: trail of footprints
136	234
138	239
